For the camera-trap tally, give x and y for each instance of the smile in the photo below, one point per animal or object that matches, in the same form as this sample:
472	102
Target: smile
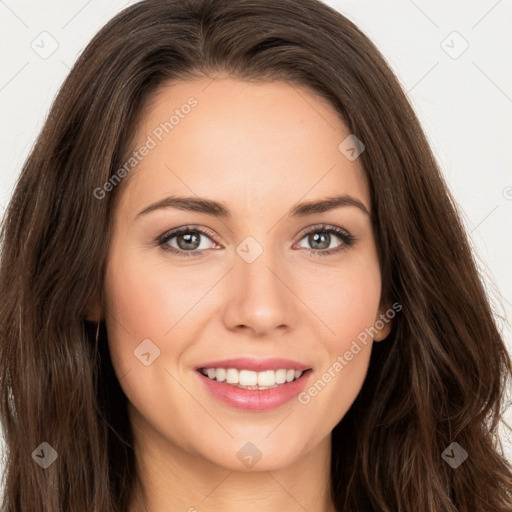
248	379
251	390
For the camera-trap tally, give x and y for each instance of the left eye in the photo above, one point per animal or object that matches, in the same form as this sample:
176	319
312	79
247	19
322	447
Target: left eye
320	239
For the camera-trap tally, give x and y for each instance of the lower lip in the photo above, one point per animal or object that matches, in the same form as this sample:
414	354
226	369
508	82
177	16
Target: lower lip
254	399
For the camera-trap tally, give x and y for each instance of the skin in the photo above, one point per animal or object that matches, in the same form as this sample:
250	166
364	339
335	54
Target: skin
260	149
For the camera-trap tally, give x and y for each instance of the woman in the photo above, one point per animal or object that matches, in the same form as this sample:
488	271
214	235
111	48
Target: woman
324	343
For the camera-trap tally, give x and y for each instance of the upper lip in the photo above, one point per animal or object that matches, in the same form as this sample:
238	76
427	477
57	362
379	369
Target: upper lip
257	365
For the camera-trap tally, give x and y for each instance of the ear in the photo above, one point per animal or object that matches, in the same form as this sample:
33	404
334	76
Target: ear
94	311
383	322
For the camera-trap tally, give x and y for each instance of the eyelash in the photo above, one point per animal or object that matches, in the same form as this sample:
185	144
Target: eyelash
347	239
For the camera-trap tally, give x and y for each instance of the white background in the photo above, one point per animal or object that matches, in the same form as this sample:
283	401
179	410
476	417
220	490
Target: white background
464	103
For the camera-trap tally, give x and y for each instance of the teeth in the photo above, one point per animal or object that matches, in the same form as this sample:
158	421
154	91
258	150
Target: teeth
267	378
231	375
248	378
281	376
252	380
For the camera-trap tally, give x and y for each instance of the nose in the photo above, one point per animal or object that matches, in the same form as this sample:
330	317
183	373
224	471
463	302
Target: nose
259	297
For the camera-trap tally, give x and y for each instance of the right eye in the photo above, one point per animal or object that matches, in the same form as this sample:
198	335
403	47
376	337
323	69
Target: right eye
188	240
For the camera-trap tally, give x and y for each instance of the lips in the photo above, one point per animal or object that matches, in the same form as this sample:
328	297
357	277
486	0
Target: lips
256	365
254	399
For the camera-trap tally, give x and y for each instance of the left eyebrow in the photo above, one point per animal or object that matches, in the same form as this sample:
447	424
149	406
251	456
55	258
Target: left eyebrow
217	209
329	203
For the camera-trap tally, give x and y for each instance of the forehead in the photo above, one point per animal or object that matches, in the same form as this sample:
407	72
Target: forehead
250	144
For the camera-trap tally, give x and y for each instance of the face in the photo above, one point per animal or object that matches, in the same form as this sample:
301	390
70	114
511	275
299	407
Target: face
262	288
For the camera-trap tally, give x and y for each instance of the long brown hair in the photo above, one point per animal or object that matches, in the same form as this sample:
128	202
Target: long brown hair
440	376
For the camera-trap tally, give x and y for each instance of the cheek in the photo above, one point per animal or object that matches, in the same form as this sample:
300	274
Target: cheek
144	301
349	307
146	298
139	307
347	300
356	309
